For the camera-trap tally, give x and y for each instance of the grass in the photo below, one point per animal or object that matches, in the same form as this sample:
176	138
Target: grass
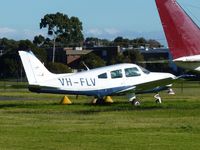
37	121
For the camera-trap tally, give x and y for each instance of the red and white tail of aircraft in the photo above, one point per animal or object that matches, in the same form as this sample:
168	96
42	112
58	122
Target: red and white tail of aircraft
182	34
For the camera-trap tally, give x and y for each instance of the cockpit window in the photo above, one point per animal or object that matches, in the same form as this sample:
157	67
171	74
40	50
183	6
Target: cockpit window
132	72
102	76
144	70
116	74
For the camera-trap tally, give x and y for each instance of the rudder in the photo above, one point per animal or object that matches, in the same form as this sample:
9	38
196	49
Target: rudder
181	32
35	71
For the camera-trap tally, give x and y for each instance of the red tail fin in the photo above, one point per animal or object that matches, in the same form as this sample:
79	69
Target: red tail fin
183	35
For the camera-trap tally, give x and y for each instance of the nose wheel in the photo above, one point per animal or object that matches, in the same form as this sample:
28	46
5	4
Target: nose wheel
158	98
136	102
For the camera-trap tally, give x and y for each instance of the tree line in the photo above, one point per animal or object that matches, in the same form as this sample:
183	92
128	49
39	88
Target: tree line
64	31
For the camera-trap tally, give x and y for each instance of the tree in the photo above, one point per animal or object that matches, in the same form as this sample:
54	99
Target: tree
93	41
133	56
62	28
9	64
8	45
138	42
57	24
74	36
120	58
39	40
25	45
154	44
120	41
92	61
58	68
28	45
76	31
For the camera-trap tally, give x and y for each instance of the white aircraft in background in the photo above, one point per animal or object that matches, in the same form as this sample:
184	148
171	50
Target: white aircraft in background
111	80
182	34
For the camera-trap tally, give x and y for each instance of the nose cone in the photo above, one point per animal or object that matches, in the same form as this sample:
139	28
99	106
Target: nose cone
164	79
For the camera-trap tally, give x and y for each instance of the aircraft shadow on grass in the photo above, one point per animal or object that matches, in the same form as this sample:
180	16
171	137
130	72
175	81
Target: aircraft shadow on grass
89	109
92	108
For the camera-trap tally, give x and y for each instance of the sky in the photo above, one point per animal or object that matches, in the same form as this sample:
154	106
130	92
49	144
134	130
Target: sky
19	19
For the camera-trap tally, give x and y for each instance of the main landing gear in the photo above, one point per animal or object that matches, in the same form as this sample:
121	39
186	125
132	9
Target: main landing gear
131	97
104	100
134	101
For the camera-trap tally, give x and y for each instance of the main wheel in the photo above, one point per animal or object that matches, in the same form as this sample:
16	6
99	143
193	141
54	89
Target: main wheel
158	102
136	102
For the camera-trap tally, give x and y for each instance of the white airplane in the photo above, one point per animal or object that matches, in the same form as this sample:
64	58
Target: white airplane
182	34
111	80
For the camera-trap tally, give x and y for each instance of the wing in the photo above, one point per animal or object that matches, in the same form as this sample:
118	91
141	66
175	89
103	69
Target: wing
130	89
154	86
154	62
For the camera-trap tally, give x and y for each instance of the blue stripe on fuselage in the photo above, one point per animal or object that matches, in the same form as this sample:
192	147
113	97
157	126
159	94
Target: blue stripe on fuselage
98	93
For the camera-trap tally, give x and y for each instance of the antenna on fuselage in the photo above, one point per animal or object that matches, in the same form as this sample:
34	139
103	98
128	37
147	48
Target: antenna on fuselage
85	65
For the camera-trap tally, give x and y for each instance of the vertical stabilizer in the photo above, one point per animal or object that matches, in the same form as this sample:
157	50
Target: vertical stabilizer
183	35
36	72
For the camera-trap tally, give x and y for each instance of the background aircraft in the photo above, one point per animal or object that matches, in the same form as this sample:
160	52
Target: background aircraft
182	34
111	80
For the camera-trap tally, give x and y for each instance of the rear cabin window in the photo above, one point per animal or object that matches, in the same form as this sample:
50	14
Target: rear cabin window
132	72
116	74
102	76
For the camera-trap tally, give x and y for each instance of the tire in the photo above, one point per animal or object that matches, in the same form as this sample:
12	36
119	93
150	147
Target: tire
136	103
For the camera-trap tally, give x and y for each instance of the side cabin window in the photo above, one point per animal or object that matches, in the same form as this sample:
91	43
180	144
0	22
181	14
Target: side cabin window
102	76
116	74
132	72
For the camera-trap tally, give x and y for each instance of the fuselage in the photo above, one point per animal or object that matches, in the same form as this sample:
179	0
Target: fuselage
109	80
189	62
104	81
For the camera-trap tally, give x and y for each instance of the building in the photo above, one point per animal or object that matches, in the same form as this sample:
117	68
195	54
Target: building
73	56
107	53
156	56
1	50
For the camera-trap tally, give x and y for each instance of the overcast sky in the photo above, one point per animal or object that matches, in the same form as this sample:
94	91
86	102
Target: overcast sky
101	18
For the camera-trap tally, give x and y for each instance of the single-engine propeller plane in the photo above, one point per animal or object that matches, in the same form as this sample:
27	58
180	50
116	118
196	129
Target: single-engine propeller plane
119	79
182	34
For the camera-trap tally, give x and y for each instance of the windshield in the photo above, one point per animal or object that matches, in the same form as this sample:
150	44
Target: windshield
144	70
131	72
